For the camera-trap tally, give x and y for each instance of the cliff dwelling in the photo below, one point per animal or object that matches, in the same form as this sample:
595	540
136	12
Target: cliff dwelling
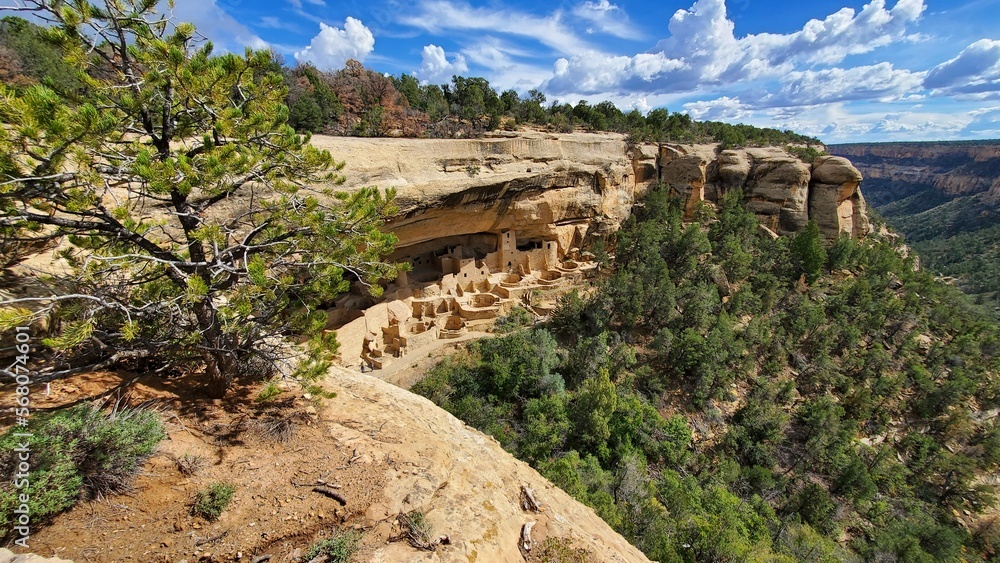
454	284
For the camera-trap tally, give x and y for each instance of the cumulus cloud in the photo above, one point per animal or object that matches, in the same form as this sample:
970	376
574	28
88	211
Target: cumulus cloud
435	66
975	70
703	50
331	48
720	109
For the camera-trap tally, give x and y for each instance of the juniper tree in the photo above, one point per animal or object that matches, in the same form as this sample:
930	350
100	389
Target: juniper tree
196	224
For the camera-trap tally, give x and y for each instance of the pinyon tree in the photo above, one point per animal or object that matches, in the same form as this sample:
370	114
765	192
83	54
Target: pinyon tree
197	227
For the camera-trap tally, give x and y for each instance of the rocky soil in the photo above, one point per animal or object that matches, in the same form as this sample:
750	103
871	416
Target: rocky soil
385	451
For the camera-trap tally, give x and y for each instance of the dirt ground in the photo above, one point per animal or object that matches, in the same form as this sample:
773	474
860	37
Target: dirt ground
235	440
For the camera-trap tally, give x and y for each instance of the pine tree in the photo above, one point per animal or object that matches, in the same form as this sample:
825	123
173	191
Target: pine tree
200	225
808	253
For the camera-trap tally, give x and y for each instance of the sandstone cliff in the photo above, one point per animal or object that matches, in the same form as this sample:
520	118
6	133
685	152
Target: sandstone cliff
953	168
565	187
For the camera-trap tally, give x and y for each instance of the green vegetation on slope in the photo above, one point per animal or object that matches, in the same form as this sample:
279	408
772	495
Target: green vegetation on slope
711	407
79	452
957	237
954	234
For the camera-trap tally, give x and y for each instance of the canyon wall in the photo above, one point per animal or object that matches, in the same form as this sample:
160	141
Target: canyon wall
563	188
896	170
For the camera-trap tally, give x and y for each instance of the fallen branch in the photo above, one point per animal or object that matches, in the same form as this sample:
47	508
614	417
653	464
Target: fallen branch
327	491
528	500
526	536
212	539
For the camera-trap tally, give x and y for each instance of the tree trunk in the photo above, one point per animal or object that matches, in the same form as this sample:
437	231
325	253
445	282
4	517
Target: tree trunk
219	373
218	350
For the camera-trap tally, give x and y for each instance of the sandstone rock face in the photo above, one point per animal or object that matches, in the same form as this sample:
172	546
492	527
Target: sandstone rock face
564	188
835	202
686	177
7	556
778	188
733	169
546	187
463	481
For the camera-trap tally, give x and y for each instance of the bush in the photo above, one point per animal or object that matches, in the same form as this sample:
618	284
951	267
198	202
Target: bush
517	317
79	452
418	530
337	549
213	500
806	154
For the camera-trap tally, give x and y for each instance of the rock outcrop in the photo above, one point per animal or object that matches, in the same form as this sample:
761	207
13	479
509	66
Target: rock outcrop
464	482
778	188
547	187
835	201
564	188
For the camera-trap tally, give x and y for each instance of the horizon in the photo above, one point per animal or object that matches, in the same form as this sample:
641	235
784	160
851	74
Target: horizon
839	71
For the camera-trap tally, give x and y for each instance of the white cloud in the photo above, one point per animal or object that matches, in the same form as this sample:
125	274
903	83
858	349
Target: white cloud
214	23
606	18
438	15
880	81
721	109
435	66
596	72
274	22
975	70
331	48
985	123
702	50
852	122
507	64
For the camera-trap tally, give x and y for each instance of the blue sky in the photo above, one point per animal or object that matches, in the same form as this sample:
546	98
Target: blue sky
840	70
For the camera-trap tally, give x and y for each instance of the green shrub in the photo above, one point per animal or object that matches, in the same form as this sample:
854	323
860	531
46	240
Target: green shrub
517	317
213	500
269	391
79	452
337	549
806	154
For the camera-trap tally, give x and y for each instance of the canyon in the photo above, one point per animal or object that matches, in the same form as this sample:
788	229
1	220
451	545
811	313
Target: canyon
944	198
893	171
485	224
